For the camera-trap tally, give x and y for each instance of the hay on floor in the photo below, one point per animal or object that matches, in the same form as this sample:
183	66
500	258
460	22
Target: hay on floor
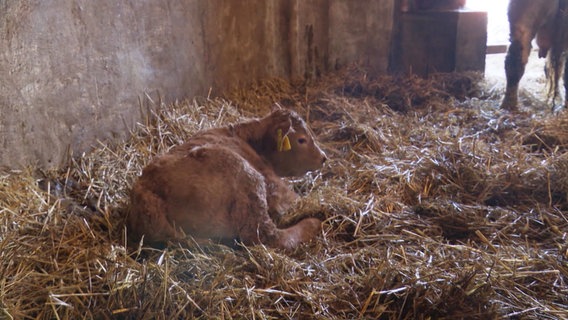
436	204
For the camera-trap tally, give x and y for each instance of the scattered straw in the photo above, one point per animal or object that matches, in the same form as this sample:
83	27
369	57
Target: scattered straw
436	204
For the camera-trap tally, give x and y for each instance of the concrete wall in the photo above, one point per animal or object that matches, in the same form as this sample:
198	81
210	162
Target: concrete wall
73	71
441	41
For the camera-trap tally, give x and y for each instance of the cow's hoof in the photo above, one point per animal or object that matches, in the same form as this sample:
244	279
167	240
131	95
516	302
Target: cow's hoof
509	105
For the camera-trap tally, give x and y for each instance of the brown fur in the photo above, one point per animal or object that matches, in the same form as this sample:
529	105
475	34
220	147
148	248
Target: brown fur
224	184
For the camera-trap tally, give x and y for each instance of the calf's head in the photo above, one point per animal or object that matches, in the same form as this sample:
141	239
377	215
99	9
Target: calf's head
291	146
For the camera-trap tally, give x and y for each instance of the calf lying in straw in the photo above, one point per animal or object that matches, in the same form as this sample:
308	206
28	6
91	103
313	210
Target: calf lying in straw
224	184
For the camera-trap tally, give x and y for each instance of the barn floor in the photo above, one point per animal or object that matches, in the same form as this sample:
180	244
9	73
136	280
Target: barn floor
435	205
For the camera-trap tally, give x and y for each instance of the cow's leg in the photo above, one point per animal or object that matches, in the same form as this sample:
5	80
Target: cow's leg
566	82
515	62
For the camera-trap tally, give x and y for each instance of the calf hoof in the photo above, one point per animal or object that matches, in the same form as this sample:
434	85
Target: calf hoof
303	231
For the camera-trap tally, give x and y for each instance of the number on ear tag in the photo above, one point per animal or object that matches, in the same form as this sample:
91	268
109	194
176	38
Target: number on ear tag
283	142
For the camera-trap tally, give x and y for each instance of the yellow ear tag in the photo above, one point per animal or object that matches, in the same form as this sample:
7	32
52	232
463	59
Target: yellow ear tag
283	143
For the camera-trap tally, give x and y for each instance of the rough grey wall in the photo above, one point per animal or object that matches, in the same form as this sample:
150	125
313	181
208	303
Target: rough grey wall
361	31
73	71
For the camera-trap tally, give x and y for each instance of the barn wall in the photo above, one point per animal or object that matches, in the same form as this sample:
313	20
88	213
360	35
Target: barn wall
73	71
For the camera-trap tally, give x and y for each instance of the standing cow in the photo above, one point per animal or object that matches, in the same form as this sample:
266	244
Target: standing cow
547	21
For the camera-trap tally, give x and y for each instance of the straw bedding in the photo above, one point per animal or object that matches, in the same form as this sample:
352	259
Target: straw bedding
436	205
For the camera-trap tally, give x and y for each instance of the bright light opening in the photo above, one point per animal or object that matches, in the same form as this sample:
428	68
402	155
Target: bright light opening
497	24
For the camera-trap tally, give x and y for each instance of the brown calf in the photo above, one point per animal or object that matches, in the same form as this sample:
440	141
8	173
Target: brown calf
224	184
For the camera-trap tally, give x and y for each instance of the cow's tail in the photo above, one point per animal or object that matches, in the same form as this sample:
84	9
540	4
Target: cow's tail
555	59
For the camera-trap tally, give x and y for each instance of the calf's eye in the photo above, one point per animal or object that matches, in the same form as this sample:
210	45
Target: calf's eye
302	140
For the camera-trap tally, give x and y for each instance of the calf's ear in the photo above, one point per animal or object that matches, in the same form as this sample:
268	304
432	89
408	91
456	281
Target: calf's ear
281	119
282	141
275	107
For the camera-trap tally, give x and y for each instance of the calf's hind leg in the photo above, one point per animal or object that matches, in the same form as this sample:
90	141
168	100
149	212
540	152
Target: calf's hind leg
301	232
259	228
256	225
